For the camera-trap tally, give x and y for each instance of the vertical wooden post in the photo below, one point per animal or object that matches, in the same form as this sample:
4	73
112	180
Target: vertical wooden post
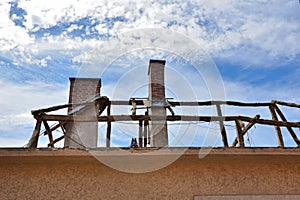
247	128
239	134
49	133
293	134
140	133
146	123
33	142
222	128
108	130
277	128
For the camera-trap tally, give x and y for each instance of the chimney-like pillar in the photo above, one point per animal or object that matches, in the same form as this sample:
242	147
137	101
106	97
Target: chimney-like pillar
82	134
158	127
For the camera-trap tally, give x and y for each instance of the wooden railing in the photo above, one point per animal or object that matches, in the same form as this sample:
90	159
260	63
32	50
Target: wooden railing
103	103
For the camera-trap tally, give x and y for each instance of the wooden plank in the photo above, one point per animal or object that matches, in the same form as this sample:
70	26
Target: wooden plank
49	132
222	127
33	142
108	129
277	128
293	134
239	134
244	131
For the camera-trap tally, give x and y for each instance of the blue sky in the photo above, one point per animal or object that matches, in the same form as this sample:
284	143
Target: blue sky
254	45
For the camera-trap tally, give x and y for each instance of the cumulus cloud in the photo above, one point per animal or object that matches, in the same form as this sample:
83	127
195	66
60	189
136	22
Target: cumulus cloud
270	26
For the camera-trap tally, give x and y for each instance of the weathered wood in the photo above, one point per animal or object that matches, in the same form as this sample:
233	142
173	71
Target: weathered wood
33	142
57	139
53	108
140	133
60	124
239	134
286	104
222	127
114	118
293	134
247	128
108	129
209	103
196	103
49	133
58	107
133	108
277	128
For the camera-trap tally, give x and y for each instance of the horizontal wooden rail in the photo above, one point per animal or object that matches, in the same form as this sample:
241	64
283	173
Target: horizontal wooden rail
114	118
172	103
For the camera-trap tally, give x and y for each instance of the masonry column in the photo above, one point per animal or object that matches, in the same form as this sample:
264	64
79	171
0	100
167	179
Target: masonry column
158	127
82	134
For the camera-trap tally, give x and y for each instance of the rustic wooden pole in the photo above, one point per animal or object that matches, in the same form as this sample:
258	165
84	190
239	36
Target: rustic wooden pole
108	130
222	128
49	132
239	134
33	142
140	133
114	118
277	128
58	139
60	124
247	128
133	108
287	104
293	134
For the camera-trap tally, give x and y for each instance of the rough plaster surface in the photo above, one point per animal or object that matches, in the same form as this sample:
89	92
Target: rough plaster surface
73	174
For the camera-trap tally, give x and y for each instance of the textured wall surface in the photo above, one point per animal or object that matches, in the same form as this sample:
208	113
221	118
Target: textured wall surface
78	134
66	174
158	128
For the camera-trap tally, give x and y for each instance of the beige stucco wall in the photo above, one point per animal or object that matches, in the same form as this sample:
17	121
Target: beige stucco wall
73	174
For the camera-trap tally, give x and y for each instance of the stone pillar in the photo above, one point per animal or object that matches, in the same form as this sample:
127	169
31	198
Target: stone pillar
83	134
158	127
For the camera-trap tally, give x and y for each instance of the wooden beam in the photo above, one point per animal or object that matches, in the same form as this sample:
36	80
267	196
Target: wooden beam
222	127
55	127
53	108
293	134
49	132
113	118
108	129
239	134
33	142
244	131
286	104
195	103
277	128
57	140
210	103
58	107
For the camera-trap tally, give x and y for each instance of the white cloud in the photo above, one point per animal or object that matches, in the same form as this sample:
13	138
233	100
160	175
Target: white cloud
215	25
17	100
255	33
